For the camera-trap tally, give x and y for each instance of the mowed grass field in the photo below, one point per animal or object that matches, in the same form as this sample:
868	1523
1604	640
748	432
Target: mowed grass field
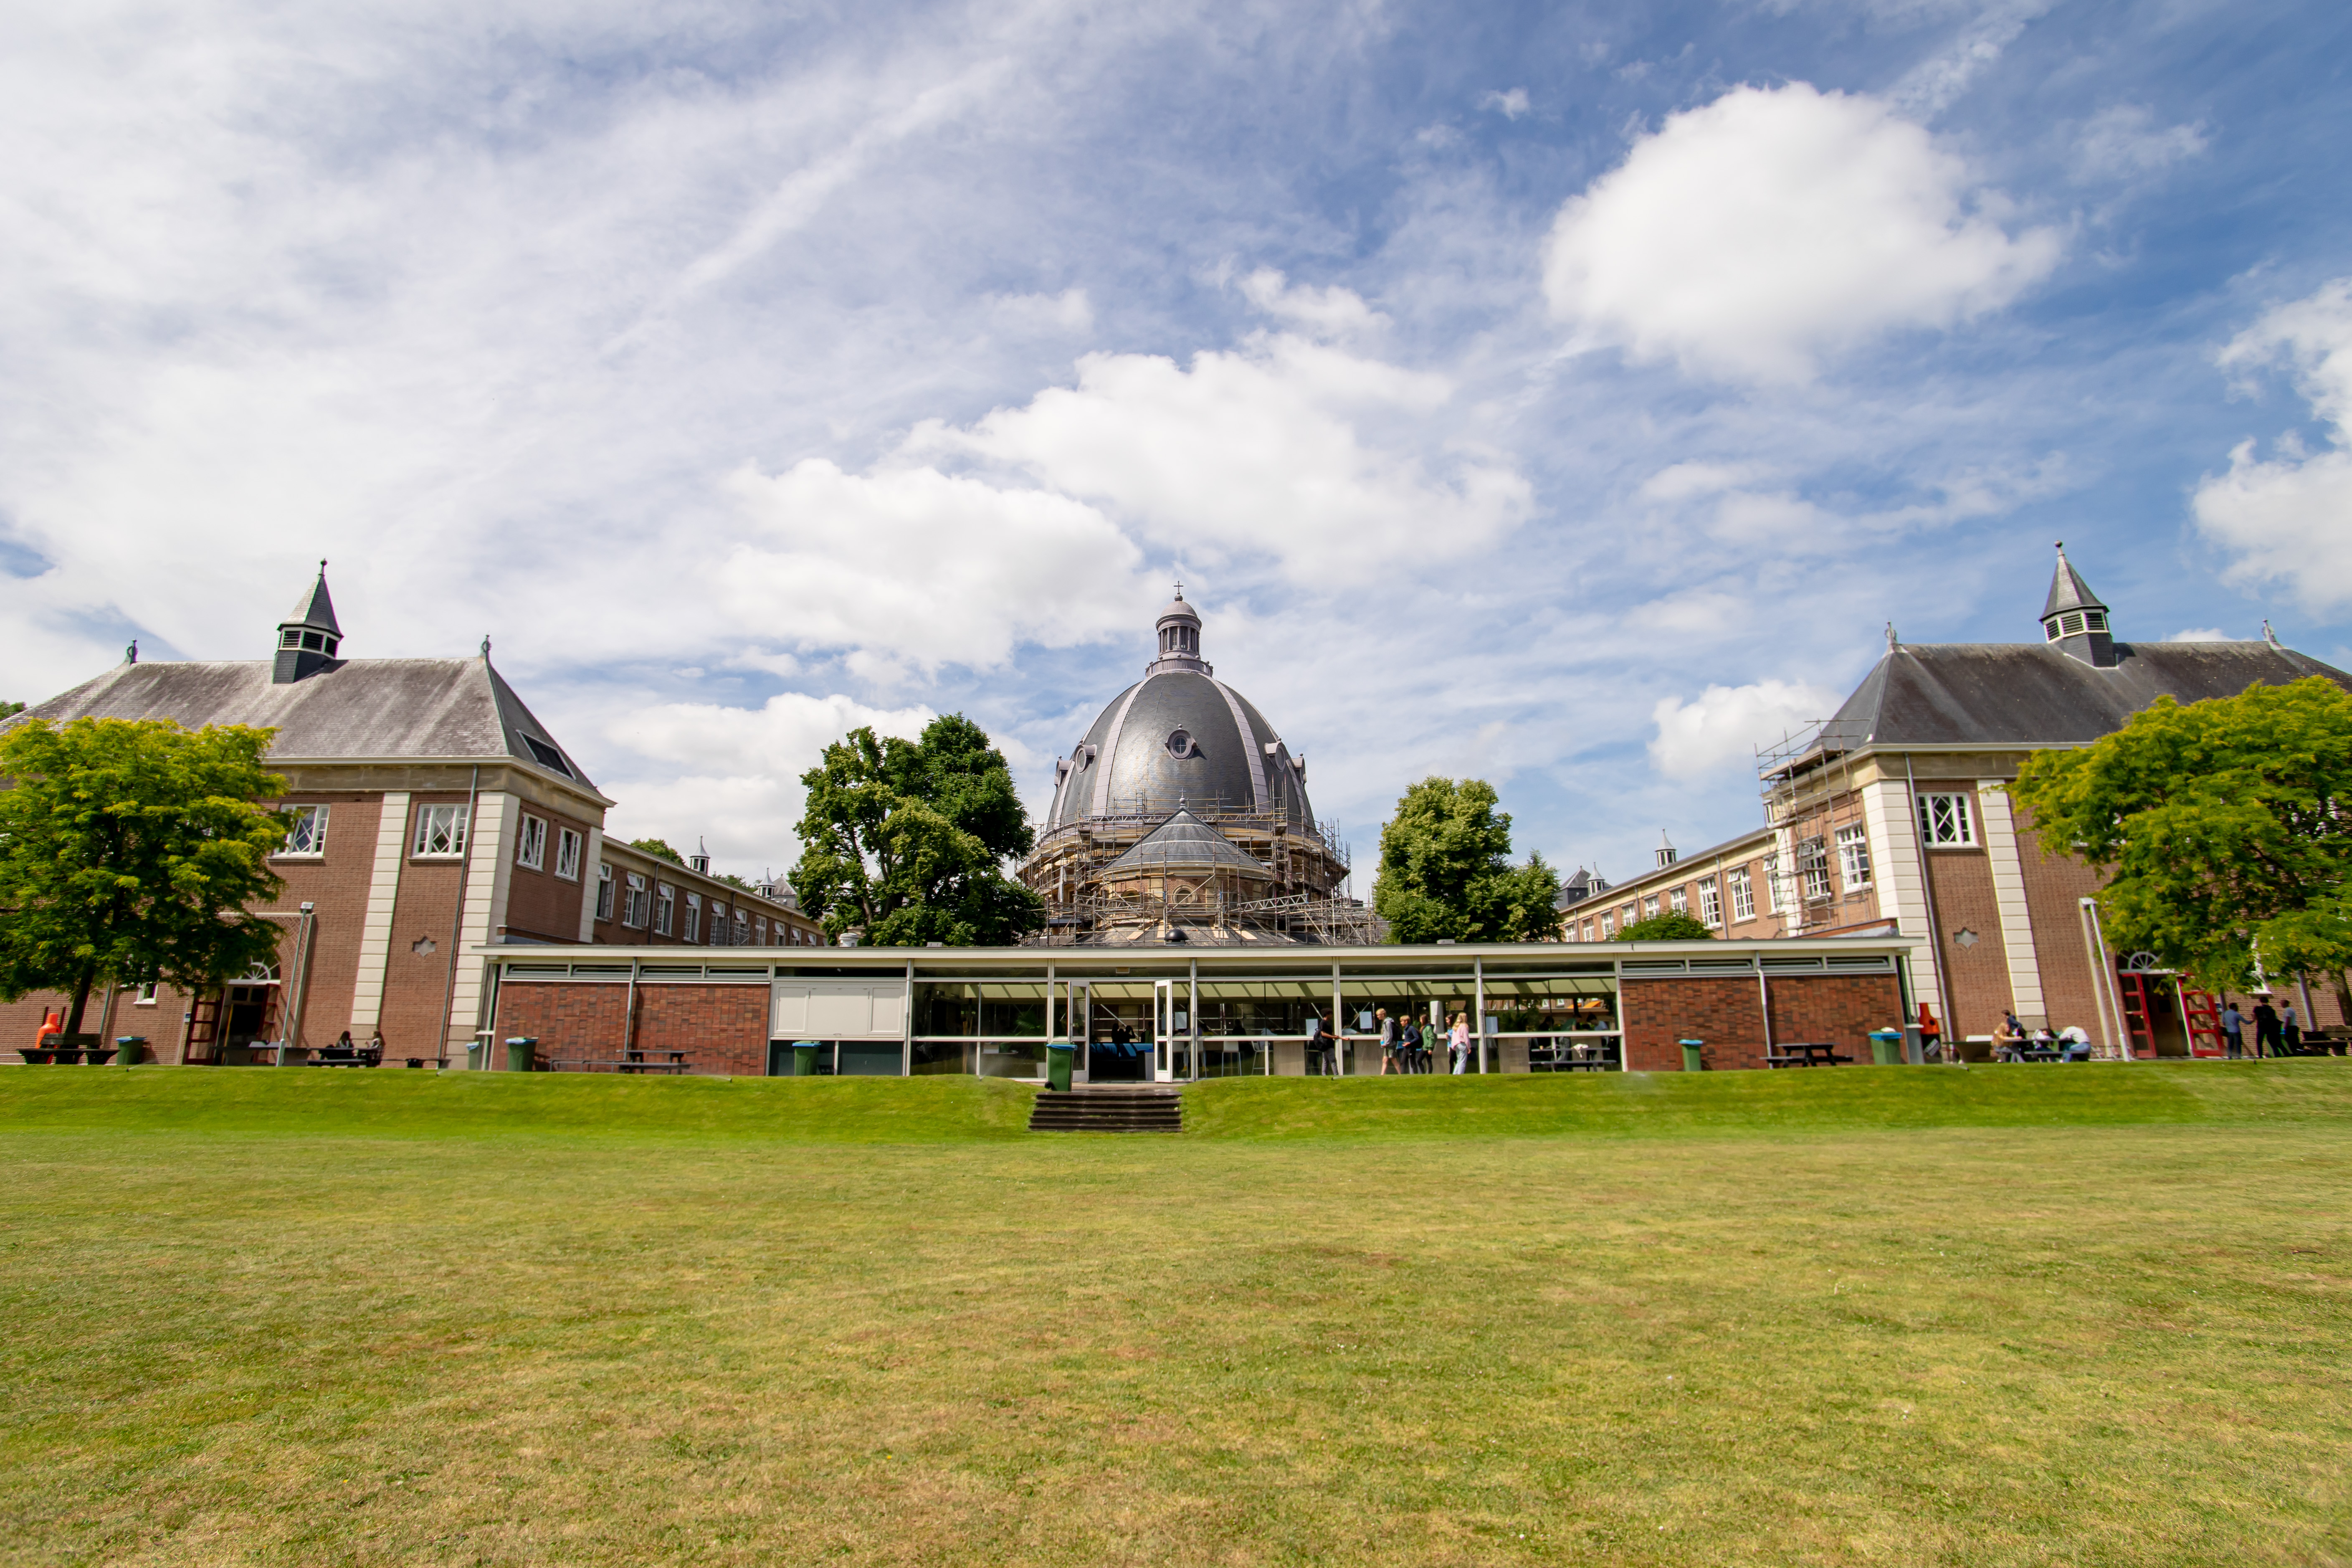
2025	1315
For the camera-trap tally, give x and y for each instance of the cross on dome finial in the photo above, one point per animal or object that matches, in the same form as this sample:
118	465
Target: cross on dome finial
1180	587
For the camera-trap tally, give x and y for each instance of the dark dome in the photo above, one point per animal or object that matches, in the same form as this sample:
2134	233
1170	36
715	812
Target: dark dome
1180	737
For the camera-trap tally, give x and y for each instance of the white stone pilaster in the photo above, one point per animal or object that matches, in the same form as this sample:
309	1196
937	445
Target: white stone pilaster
375	926
1892	819
489	872
590	855
2009	897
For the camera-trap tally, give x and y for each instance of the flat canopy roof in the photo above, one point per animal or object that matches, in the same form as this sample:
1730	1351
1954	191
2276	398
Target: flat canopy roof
1633	960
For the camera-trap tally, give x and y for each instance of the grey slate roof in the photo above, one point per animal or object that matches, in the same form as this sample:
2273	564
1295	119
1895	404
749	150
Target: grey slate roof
405	708
1185	844
2067	590
2025	694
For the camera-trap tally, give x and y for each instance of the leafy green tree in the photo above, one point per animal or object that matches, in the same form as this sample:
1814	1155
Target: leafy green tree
1446	871
1674	925
8	709
2225	828
907	840
129	850
659	848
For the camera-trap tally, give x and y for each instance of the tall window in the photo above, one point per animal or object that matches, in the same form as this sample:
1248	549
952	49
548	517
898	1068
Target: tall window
1710	902
567	854
1772	881
692	930
1679	901
531	844
717	924
742	927
1813	868
1743	896
1650	908
759	932
440	830
1853	857
1606	928
637	906
308	833
604	890
664	906
1945	821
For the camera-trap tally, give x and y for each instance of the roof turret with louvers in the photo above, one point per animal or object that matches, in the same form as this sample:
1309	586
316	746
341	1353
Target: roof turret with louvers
2073	621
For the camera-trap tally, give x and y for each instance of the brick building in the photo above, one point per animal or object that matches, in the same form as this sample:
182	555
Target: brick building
433	814
1894	814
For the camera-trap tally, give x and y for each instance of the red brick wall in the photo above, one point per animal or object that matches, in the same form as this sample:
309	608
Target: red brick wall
721	1029
2054	889
1728	1015
414	982
539	903
570	1020
337	888
1976	978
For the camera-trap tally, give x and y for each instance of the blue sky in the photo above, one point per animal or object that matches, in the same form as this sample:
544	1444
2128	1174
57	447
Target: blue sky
1567	396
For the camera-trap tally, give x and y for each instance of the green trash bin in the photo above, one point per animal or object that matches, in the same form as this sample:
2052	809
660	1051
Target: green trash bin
1886	1047
1059	1055
518	1052
130	1050
804	1058
1691	1058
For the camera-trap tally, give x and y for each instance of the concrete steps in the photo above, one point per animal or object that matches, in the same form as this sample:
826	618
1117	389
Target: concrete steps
1138	1108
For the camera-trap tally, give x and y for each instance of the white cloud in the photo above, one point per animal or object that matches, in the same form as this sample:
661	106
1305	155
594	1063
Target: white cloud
911	566
1333	313
731	775
2202	633
1725	725
1509	105
2290	518
1067	311
1302	453
1748	238
2125	143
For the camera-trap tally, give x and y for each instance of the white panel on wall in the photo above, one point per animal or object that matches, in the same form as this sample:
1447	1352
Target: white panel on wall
889	1005
788	1012
838	1015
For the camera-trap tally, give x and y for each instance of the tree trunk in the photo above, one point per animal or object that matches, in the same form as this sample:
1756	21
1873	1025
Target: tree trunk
80	1001
2338	983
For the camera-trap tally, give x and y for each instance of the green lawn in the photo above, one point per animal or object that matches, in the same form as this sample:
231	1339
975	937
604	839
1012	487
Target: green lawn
2079	1315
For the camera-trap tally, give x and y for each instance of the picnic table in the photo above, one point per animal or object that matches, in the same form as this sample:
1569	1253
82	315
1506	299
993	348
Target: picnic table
1808	1054
357	1057
628	1061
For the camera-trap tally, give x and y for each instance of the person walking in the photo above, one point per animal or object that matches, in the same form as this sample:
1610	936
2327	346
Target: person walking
1409	1044
2266	1029
1457	1043
2291	1030
2234	1029
1319	1049
1388	1029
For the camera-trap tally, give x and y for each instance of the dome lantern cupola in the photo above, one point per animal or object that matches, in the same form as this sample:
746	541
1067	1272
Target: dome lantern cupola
2073	621
1180	640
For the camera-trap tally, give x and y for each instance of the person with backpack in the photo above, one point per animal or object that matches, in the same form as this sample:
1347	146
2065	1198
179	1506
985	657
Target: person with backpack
1457	1043
1389	1039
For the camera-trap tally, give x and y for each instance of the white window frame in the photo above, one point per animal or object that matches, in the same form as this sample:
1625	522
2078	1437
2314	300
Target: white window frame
637	901
1947	820
1743	895
1710	903
1607	930
306	839
1650	908
1813	869
759	932
567	845
1773	882
441	826
1679	900
604	890
742	937
146	997
665	907
1853	857
692	930
531	843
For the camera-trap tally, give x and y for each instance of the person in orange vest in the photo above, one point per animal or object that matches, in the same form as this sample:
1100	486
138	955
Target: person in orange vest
1931	1035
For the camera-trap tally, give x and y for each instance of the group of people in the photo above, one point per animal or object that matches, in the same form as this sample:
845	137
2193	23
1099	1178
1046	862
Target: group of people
1405	1047
2278	1032
2013	1040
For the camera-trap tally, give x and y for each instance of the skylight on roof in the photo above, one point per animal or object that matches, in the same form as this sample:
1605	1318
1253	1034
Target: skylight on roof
549	757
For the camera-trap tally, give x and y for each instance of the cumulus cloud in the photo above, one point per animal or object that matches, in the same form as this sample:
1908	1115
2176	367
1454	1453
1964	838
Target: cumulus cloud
2289	518
912	565
1749	237
1327	313
2202	633
1286	449
740	790
1509	105
1725	725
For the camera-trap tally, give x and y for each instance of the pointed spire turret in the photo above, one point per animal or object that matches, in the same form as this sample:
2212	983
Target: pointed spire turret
308	638
2074	620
